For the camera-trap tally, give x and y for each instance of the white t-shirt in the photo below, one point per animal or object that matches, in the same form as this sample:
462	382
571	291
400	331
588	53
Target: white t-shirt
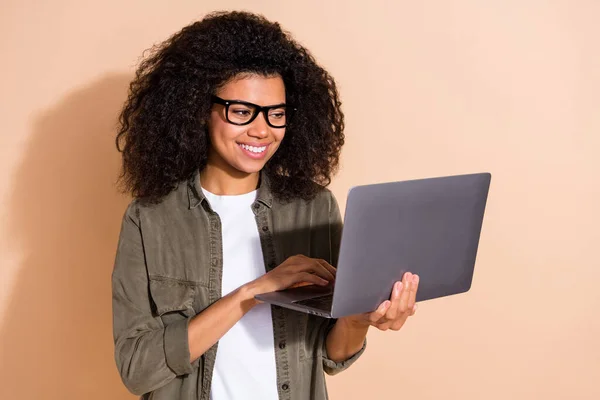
245	364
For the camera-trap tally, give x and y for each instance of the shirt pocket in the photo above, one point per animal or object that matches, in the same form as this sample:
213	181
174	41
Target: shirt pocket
172	299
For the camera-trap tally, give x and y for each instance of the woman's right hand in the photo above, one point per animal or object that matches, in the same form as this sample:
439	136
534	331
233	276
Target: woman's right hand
293	272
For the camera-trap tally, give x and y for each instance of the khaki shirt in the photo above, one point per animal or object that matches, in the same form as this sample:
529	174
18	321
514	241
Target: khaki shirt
168	268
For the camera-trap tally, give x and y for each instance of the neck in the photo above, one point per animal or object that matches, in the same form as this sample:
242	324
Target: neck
226	182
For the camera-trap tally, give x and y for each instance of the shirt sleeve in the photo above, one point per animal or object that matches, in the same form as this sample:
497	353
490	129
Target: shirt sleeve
148	353
335	236
332	367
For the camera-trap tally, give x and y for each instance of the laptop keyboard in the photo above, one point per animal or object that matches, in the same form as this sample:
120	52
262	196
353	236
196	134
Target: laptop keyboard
321	302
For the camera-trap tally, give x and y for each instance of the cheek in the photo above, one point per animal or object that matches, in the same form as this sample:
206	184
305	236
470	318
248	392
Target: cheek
279	136
222	134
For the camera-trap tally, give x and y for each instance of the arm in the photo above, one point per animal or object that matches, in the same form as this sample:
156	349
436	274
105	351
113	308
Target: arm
345	339
149	354
209	326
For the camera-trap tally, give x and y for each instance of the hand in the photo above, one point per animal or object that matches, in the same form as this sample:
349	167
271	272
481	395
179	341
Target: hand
295	271
392	313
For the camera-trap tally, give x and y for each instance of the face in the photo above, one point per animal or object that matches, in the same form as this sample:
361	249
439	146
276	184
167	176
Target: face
245	149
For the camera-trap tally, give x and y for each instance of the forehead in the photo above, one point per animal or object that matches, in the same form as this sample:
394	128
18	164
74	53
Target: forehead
254	89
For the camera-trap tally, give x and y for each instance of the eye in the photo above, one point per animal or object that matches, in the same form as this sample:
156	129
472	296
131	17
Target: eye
242	112
278	114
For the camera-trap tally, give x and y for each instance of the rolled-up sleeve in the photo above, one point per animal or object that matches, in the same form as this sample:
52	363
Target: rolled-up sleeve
148	353
177	351
332	367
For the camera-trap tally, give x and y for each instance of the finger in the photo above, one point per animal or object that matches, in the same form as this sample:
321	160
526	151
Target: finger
404	296
384	326
414	285
322	270
378	314
414	309
329	267
308	277
393	311
312	266
399	323
305	264
300	284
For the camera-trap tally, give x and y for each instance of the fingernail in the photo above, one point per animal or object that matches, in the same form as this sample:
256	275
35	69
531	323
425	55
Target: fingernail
416	278
398	287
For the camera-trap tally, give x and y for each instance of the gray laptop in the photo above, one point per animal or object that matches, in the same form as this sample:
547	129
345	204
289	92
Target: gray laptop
429	227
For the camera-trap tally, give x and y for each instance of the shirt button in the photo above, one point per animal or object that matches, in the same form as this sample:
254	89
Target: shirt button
285	386
265	228
282	345
256	206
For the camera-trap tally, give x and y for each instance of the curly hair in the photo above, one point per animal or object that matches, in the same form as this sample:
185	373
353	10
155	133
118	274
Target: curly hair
162	130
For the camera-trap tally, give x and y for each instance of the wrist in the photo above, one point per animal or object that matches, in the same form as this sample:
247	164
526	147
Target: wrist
354	323
246	295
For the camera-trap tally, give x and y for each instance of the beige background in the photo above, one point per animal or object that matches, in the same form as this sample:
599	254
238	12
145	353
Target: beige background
429	88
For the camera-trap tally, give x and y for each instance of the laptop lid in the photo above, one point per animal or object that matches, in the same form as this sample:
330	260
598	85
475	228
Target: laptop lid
430	227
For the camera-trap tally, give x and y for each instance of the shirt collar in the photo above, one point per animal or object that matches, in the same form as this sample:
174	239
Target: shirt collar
196	195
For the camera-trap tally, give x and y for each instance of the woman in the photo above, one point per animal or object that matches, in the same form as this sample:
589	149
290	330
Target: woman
229	136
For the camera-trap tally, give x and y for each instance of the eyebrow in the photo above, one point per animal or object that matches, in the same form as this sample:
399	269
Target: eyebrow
250	103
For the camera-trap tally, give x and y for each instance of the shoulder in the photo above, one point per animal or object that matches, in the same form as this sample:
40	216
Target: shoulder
167	208
319	206
325	198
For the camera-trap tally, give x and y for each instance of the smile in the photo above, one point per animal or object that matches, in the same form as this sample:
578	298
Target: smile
253	149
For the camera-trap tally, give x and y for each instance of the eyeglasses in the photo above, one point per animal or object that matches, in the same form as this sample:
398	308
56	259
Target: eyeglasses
243	113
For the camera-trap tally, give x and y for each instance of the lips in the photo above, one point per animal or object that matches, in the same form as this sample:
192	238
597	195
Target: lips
253	148
255	151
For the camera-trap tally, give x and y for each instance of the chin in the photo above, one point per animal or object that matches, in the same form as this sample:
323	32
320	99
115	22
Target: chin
249	168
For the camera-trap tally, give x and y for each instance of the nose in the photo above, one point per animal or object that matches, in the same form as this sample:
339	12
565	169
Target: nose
259	127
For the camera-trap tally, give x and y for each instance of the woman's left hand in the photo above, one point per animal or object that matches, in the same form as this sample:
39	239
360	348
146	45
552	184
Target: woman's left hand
392	313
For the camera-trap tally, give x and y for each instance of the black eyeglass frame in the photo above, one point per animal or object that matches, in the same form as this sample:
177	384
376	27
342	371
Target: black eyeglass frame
257	110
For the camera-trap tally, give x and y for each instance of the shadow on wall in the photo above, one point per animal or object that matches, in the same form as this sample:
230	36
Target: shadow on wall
65	215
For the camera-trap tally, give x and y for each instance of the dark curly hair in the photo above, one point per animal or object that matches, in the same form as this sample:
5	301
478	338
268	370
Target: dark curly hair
162	126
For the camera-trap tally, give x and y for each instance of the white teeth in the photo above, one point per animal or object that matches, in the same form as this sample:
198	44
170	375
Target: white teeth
254	149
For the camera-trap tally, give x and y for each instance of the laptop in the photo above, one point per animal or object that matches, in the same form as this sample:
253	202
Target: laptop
430	227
